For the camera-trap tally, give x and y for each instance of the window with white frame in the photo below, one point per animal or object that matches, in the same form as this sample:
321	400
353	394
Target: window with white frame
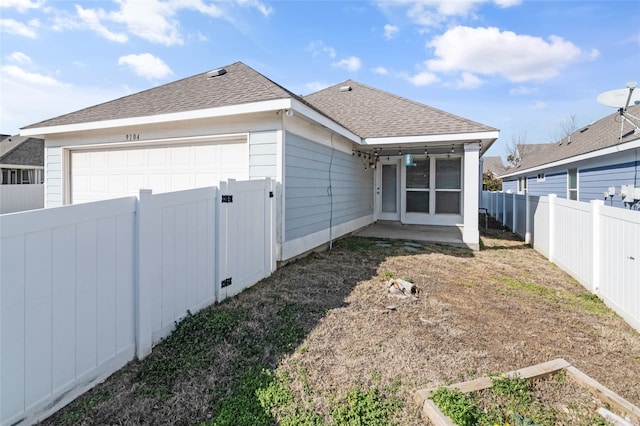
417	187
522	185
448	185
21	176
572	184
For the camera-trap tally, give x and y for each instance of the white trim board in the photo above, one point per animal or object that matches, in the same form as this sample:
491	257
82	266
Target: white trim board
587	156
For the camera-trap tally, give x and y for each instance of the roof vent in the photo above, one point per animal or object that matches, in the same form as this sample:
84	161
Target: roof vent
216	72
346	89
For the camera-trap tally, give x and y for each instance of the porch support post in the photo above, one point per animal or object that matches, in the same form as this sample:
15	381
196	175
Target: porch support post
471	234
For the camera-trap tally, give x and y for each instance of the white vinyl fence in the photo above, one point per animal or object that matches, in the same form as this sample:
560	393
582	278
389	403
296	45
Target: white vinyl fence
85	288
598	245
17	198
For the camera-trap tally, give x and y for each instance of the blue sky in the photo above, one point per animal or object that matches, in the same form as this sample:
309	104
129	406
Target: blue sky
524	67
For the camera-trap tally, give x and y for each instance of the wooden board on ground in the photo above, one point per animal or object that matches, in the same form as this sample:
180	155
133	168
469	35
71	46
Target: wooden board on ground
431	411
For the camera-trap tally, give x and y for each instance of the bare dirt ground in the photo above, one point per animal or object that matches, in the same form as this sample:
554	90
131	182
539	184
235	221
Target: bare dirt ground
325	321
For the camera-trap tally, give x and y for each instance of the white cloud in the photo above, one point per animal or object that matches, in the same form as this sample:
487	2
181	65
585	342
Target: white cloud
594	54
93	19
44	96
316	86
19	58
380	70
429	13
523	90
20	5
155	20
390	31
490	51
423	78
537	105
263	8
16	73
468	81
11	26
352	63
507	3
146	65
152	20
318	47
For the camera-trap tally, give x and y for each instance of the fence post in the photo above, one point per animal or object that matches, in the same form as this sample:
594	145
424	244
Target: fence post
504	209
552	226
527	219
596	231
143	283
514	217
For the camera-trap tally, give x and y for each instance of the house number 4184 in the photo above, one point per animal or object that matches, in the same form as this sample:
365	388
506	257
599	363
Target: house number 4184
132	137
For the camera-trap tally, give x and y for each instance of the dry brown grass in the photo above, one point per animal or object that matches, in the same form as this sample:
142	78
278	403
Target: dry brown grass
496	310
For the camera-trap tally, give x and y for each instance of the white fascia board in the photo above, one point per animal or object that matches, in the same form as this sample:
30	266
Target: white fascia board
589	155
19	166
262	106
323	120
453	137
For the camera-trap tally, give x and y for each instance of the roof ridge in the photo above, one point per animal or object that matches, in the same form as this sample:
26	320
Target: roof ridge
404	99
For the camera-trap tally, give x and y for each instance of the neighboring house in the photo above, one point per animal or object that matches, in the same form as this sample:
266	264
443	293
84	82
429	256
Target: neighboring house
338	156
21	160
492	167
584	165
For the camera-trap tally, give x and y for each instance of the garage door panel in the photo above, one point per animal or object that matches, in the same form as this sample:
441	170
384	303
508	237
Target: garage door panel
117	159
97	160
120	172
181	156
207	155
135	157
117	184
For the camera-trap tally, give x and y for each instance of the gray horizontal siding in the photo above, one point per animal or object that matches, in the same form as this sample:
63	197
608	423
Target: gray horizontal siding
309	208
593	181
509	185
555	183
595	176
263	150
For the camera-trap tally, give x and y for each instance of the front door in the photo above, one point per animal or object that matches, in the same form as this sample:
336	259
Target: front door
388	190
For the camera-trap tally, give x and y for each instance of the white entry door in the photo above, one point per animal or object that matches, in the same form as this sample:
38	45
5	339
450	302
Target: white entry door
388	190
104	173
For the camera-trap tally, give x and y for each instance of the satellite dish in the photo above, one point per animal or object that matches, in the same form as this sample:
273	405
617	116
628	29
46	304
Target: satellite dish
621	98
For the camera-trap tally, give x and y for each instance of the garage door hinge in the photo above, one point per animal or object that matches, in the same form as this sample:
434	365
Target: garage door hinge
225	283
227	198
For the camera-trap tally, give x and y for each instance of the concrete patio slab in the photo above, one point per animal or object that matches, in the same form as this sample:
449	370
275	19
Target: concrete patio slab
449	235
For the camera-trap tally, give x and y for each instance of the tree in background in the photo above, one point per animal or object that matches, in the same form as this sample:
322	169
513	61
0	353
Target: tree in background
514	154
490	182
565	129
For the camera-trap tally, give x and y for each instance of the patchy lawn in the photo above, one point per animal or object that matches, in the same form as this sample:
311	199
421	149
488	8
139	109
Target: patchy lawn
316	343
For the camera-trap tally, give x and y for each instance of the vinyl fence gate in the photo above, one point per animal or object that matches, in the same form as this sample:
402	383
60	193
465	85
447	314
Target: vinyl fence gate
85	288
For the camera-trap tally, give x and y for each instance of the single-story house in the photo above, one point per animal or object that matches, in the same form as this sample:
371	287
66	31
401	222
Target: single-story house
342	158
21	160
585	164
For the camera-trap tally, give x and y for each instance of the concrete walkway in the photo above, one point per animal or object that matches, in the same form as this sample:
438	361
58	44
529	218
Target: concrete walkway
449	235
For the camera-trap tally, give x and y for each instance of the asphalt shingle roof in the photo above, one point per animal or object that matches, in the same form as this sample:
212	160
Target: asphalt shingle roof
241	84
367	112
373	113
493	165
602	134
21	150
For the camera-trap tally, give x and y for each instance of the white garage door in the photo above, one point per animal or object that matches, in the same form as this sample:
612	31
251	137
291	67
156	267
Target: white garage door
120	172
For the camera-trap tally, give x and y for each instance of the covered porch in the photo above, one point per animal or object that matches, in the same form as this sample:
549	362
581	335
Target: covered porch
394	230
